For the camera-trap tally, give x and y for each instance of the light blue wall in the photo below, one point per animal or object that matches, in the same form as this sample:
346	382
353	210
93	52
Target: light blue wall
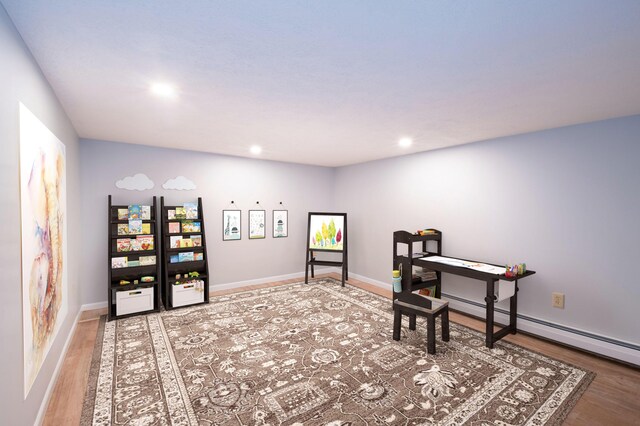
566	201
219	180
22	81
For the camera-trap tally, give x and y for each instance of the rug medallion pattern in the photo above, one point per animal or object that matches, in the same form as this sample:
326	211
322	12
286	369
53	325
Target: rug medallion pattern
315	354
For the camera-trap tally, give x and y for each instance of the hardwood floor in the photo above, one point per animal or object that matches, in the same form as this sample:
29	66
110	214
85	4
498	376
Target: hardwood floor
611	399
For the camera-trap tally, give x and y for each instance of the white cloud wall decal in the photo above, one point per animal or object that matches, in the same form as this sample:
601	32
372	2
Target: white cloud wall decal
137	182
180	183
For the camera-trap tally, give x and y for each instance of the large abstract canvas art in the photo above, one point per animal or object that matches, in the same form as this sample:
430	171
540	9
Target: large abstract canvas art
44	240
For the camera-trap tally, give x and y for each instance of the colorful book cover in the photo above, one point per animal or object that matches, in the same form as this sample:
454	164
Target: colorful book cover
198	256
186	256
123	244
174	227
136	244
181	213
123	214
135	226
191	210
123	229
146	242
145	212
147	260
186	242
133	263
118	262
171	214
190	226
174	258
146	228
197	240
174	242
134	211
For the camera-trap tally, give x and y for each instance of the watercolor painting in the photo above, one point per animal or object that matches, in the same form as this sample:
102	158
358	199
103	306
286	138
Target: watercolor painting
257	224
280	223
231	225
326	232
43	204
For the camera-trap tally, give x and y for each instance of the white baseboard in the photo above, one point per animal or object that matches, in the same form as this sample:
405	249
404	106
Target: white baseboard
240	284
92	306
54	377
574	338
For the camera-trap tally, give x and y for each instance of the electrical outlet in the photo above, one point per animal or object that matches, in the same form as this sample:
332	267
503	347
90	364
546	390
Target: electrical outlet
557	300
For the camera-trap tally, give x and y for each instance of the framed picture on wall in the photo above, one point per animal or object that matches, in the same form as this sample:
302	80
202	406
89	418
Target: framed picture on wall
231	225
280	223
257	224
327	231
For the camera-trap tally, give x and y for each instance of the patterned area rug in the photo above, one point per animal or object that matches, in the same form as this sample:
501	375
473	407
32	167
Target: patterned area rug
315	354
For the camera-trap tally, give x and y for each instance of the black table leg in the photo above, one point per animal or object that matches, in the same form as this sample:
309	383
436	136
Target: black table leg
490	311
513	310
397	323
412	321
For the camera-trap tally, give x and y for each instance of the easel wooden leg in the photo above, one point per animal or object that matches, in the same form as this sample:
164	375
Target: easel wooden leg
344	272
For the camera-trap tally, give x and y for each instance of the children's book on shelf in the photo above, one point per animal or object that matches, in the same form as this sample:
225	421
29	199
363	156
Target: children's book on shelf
174	227
174	258
197	240
186	256
181	213
147	260
134	211
171	214
136	244
191	210
145	212
135	226
190	226
146	228
123	229
123	244
123	214
174	242
146	242
186	242
198	256
133	263
118	262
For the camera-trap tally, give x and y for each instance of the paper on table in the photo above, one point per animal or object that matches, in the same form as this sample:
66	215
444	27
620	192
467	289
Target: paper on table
506	289
481	267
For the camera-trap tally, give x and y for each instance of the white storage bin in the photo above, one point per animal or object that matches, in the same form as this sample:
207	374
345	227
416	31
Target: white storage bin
187	294
137	300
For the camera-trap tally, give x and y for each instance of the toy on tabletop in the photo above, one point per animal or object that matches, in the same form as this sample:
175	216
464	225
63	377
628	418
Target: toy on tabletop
512	271
428	231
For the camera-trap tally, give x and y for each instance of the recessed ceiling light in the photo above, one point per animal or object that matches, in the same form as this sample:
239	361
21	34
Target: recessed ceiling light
405	142
256	150
163	90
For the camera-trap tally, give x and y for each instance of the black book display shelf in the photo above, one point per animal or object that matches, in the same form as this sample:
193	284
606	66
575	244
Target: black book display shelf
421	279
133	261
185	269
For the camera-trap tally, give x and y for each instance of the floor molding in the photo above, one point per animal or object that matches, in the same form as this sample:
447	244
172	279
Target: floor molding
240	284
623	351
54	377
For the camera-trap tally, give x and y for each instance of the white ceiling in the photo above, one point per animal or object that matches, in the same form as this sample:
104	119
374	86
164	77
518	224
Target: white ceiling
333	82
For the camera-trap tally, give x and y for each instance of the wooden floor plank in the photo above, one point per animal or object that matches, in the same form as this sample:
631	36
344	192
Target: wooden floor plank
611	399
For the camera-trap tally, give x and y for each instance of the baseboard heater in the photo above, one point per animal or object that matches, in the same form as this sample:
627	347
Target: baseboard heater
549	324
